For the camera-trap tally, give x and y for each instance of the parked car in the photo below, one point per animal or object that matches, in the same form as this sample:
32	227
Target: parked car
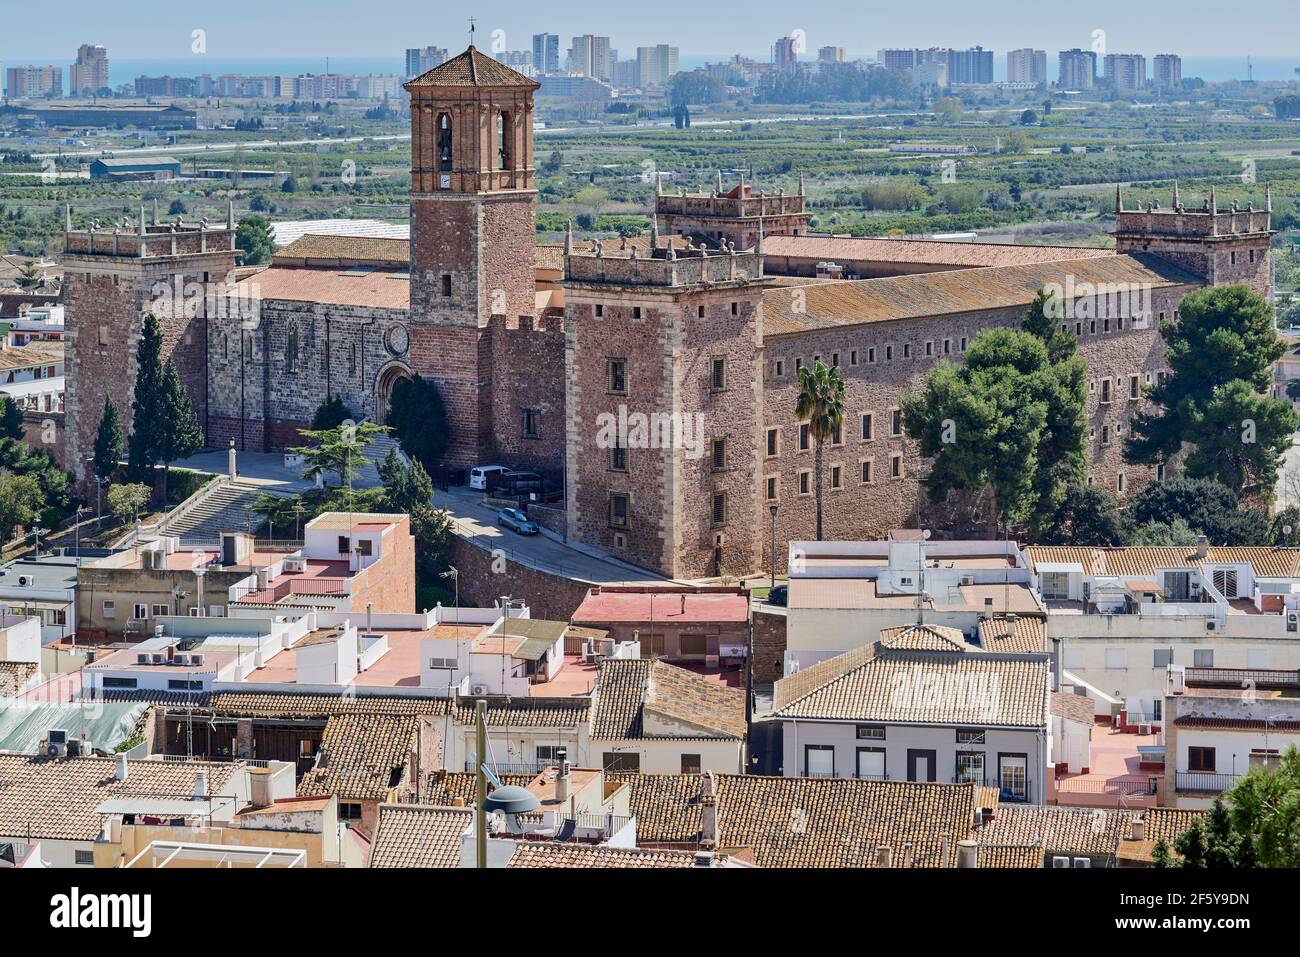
481	474
779	595
510	483
517	521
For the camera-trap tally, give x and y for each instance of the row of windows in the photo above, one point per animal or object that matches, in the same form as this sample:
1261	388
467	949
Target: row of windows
292	352
866	430
620	509
598	310
835	477
504	125
1132	388
930	347
616	375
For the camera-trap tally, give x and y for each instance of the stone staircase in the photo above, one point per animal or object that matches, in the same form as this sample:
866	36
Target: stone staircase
220	509
375	453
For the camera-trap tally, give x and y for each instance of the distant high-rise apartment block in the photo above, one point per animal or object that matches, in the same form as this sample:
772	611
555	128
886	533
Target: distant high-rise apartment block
521	61
1167	71
89	74
625	75
896	59
546	52
1027	66
1126	72
590	56
23	81
423	59
1078	69
656	64
785	54
970	66
830	55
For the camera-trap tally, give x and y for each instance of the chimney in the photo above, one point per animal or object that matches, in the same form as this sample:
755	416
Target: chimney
562	777
200	784
123	769
1202	547
884	856
966	855
1139	829
259	787
703	859
709	828
1056	664
907	853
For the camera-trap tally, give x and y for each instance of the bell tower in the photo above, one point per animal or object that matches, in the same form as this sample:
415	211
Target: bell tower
473	233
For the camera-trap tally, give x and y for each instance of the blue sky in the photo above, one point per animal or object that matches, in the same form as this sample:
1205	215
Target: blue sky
286	28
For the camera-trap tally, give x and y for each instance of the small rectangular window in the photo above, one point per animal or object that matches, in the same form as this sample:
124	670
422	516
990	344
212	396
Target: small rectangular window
805	483
616	376
773	442
719	453
866	427
446	285
866	473
718	374
771	489
719	508
618	510
804	437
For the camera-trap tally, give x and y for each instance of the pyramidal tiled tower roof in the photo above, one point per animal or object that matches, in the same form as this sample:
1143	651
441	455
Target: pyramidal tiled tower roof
472	68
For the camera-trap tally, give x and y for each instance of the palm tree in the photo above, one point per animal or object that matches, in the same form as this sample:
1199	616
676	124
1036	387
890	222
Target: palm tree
821	404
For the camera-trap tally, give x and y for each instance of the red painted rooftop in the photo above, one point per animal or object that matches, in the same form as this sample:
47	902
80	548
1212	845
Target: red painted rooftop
666	606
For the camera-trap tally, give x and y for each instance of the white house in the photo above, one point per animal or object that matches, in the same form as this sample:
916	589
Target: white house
921	704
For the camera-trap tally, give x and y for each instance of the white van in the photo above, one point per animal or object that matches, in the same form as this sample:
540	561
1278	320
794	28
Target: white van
478	476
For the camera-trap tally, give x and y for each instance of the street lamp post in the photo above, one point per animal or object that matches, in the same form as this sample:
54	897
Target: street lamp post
772	509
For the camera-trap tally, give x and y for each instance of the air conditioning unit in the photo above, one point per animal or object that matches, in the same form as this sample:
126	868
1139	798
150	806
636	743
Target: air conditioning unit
1210	624
158	659
1292	621
1144	728
968	579
142	659
478	689
196	660
1083	862
181	661
56	743
295	563
1058	861
24	580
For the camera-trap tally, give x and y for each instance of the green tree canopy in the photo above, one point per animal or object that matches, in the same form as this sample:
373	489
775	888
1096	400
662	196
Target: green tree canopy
408	489
1220	353
253	237
1008	419
331	413
339	450
181	435
419	421
147	420
108	441
21	501
127	501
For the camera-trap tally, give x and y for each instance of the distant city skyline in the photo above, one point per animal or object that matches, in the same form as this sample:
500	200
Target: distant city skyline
335	27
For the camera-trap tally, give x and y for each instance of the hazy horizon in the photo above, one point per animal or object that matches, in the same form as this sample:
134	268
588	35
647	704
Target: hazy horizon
153	30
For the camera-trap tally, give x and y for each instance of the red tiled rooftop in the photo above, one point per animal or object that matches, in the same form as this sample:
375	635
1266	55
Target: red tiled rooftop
379	289
665	606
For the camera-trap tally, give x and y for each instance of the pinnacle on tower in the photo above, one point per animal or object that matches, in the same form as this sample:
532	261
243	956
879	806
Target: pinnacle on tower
568	238
719	182
1176	199
142	229
1268	197
1119	199
1214	200
67	217
230	215
801	182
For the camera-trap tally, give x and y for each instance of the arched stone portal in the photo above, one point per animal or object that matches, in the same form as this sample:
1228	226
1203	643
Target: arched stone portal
385	382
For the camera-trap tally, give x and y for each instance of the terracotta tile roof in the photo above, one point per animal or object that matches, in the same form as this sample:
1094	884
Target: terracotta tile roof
848	250
1166	823
1022	634
1076	707
56	798
630	690
271	704
1126	562
14	676
472	68
923	295
444	787
362	757
312	249
661	605
1009	855
548	854
1058	830
417	835
501	712
378	288
37	354
1210	722
924	638
805	822
954	687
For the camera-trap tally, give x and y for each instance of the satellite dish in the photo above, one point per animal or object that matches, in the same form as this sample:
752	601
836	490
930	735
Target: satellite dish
511	799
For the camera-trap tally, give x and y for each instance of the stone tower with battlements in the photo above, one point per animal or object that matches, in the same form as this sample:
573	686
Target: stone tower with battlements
473	236
737	215
115	274
1223	246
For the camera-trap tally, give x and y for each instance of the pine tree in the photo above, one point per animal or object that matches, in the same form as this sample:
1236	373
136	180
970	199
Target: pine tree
181	435
146	403
108	441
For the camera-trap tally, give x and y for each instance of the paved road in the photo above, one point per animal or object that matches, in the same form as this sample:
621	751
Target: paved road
217	147
473	521
477	523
